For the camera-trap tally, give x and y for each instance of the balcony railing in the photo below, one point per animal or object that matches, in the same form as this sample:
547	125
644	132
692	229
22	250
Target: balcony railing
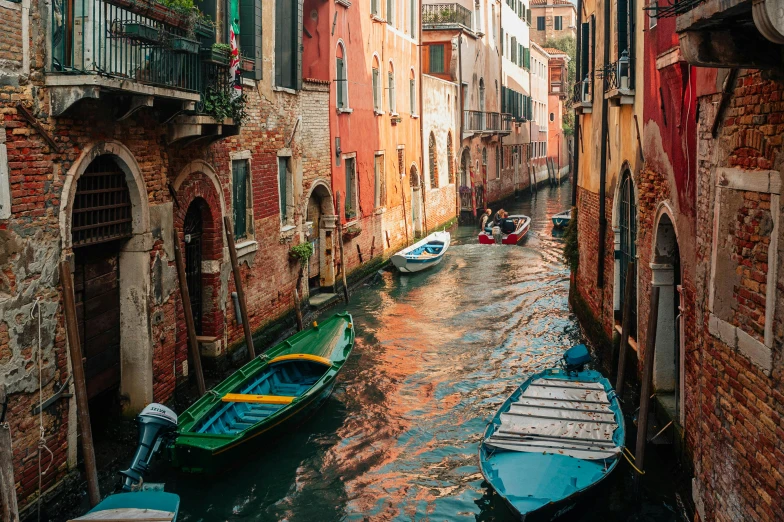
671	8
619	75
436	15
479	121
582	92
116	38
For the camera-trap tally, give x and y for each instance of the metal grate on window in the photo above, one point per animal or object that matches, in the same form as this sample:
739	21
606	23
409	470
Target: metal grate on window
102	205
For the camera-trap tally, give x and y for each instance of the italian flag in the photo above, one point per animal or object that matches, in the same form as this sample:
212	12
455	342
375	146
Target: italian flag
234	61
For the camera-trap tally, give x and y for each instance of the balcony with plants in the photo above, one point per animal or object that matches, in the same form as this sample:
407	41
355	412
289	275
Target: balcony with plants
140	53
446	16
480	122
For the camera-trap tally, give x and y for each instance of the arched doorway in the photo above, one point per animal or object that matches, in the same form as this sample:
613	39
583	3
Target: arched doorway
627	247
192	229
416	201
320	221
668	357
465	166
101	224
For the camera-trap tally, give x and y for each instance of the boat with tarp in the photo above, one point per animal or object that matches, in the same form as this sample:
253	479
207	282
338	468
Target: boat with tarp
556	437
274	392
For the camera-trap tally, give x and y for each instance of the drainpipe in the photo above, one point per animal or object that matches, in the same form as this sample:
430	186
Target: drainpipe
421	126
603	168
578	81
460	115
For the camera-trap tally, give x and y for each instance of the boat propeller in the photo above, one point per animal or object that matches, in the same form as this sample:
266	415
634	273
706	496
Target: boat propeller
156	423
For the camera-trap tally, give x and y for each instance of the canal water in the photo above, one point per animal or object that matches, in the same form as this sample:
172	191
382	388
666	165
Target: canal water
436	353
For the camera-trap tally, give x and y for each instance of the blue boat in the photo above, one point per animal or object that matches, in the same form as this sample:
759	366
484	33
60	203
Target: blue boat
147	506
562	218
557	436
424	254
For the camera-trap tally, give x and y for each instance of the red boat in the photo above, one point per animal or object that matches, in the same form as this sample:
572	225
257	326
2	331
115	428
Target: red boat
512	230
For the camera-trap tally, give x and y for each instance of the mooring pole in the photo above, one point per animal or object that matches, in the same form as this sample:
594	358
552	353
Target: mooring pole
238	284
424	204
340	249
190	325
405	216
628	306
80	386
298	310
645	392
10	511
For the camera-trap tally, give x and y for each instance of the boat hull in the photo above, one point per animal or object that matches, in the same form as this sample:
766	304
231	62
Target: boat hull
562	219
406	266
520	478
486	238
408	263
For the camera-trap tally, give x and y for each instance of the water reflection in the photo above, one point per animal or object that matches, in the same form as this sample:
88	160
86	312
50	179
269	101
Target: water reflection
436	353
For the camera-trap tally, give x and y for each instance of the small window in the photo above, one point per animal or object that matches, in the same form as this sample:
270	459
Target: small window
240	197
484	156
552	116
285	190
376	90
558	23
437	58
540	23
374	10
391	93
391	12
341	78
350	210
380	178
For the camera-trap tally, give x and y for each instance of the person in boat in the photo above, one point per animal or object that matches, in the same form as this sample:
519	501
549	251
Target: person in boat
485	219
508	225
499	216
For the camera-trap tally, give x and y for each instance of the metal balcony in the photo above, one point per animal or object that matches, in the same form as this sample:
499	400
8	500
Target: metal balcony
479	122
618	80
582	95
444	16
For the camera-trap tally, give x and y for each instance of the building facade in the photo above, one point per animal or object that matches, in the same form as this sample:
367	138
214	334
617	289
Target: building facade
552	19
558	142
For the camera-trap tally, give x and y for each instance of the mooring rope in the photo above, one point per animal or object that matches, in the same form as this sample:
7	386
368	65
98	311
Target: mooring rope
627	454
36	310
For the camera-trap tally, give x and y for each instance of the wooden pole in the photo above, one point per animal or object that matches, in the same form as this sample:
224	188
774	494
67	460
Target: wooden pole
424	206
82	408
628	306
387	234
340	249
359	253
238	283
372	246
645	393
10	511
405	214
298	310
193	342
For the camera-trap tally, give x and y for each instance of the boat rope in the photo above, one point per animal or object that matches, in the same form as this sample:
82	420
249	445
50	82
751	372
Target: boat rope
35	313
630	458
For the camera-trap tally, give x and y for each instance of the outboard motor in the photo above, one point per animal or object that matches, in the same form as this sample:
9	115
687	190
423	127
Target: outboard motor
576	357
156	423
497	235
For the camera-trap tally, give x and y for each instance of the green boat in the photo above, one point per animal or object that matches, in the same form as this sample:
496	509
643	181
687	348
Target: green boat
274	392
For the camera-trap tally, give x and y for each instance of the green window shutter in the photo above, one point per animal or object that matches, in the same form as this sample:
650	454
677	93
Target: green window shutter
528	16
414	34
623	26
283	171
502	41
341	83
250	33
239	199
436	58
288	43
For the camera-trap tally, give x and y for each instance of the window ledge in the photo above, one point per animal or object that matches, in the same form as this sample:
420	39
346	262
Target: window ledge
285	89
247	247
377	18
344	3
415	116
287	231
378	112
394	114
347	110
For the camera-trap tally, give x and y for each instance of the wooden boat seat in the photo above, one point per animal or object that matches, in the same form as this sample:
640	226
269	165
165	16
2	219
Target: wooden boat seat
301	357
257	399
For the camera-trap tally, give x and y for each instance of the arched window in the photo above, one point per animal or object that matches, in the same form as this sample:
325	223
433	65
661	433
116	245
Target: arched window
376	86
484	156
433	164
341	76
391	89
412	95
450	160
627	222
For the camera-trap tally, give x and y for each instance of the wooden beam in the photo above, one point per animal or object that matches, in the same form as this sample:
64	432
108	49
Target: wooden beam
10	510
647	384
639	139
190	325
25	113
628	306
80	385
235	266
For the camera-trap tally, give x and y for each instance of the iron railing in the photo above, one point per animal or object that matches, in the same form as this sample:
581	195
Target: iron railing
619	75
487	121
126	39
582	92
434	15
671	8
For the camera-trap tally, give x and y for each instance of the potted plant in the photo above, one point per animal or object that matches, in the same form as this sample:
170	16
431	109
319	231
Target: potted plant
301	252
247	64
204	30
218	54
141	32
352	232
181	44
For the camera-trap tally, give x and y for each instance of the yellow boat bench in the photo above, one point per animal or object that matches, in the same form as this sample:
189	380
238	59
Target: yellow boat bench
257	399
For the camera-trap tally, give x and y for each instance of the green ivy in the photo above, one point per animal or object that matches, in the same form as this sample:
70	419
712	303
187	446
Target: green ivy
301	252
219	104
571	249
218	46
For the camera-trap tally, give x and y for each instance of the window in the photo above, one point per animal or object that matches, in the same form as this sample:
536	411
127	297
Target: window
497	163
478	17
623	26
341	78
376	90
584	50
391	12
413	19
481	95
484	156
513	56
552	116
285	190
412	94
437	58
433	163
450	160
391	90
558	23
350	211
374	10
250	34
380	178
628	231
491	25
240	196
288	44
540	23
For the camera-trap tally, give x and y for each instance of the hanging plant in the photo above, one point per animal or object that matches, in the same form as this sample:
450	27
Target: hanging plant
301	252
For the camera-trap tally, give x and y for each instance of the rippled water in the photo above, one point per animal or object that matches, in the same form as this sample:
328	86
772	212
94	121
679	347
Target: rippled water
435	355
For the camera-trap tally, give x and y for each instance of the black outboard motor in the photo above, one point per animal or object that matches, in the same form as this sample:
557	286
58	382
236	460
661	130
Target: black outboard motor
156	422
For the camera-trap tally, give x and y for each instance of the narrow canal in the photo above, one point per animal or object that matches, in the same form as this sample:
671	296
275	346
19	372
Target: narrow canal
435	355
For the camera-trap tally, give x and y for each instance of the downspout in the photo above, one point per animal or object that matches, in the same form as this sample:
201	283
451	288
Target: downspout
603	168
579	82
421	124
460	112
